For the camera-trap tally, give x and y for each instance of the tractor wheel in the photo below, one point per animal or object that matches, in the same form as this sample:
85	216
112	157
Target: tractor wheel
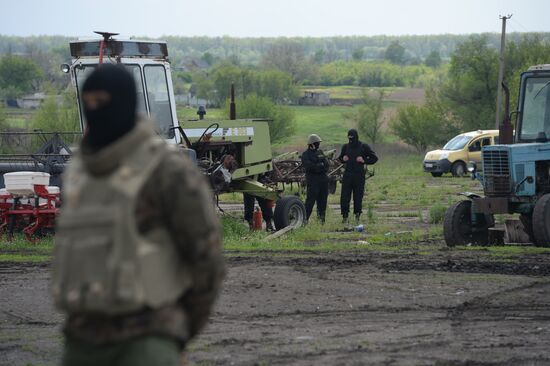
289	211
527	222
458	229
436	175
458	169
541	221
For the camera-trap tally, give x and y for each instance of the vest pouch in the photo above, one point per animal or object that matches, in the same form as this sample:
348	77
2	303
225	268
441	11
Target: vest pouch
126	291
84	266
162	273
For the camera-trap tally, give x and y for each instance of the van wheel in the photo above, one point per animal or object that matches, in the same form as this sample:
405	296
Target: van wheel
458	169
436	175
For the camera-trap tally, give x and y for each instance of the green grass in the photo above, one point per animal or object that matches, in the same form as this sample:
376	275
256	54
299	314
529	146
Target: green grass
327	122
19	118
393	205
186	114
511	250
397	198
19	250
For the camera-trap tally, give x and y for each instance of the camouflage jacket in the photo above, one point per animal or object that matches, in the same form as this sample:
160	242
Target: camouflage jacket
176	197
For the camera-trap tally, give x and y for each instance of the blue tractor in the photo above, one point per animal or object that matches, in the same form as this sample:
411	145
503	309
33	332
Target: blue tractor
516	173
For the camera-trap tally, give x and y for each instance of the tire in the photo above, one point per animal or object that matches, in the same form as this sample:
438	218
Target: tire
436	175
289	211
541	221
458	169
458	229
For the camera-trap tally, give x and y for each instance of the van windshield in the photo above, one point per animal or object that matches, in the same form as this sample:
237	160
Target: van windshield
457	142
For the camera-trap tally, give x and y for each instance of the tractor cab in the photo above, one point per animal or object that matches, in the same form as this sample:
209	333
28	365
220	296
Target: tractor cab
534	106
147	61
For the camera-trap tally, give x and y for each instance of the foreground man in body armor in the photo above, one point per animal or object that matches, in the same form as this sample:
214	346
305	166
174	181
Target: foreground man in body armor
137	261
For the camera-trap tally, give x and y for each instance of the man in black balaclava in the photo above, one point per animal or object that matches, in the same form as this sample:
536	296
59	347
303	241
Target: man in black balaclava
356	156
109	98
138	259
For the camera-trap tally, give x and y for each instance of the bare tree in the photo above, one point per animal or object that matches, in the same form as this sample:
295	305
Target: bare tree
368	118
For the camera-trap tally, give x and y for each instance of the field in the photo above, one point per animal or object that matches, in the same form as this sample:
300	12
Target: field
393	294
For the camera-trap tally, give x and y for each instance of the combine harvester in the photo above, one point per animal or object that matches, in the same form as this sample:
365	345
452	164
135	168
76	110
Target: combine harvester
234	154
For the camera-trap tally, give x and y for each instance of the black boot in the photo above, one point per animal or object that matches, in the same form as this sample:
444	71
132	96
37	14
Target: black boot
269	226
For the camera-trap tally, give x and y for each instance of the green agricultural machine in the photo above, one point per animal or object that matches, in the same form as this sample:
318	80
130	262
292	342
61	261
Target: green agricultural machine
234	154
516	175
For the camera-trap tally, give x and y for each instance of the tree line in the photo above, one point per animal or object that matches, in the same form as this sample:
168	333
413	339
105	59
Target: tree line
461	90
466	99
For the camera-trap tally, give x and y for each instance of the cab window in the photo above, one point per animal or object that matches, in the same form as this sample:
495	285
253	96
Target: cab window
158	97
486	141
475	146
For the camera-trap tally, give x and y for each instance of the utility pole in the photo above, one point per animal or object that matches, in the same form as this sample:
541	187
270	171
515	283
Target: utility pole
501	68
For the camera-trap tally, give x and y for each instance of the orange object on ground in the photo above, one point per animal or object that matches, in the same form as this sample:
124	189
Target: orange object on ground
257	219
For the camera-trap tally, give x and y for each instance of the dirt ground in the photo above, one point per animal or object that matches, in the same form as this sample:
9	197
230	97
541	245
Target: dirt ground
443	307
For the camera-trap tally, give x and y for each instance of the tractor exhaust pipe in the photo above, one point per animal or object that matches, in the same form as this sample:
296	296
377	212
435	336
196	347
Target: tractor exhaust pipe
505	129
232	107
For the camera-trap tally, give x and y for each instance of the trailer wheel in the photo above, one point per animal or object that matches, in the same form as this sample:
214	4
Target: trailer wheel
458	228
289	211
541	221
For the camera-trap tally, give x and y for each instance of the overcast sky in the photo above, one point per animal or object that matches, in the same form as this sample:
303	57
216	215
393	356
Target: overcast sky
269	18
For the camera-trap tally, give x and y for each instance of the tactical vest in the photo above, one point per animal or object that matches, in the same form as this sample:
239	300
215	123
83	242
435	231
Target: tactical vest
102	264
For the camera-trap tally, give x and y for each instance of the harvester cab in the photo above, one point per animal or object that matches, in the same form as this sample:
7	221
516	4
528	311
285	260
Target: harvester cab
516	175
146	61
234	154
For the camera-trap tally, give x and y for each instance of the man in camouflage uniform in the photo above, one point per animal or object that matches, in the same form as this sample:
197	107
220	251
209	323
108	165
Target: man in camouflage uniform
137	263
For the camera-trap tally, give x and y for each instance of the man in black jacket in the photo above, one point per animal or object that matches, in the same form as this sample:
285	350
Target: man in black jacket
316	165
356	156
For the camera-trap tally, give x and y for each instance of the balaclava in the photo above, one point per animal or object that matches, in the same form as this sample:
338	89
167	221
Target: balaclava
111	121
355	137
315	145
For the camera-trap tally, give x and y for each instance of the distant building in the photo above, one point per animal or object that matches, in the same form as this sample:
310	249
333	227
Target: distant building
200	64
189	100
315	98
32	101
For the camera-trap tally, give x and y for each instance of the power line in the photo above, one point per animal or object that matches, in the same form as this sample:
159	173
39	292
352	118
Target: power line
521	25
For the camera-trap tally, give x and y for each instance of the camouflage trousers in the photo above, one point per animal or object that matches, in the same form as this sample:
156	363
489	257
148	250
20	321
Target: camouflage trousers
142	351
